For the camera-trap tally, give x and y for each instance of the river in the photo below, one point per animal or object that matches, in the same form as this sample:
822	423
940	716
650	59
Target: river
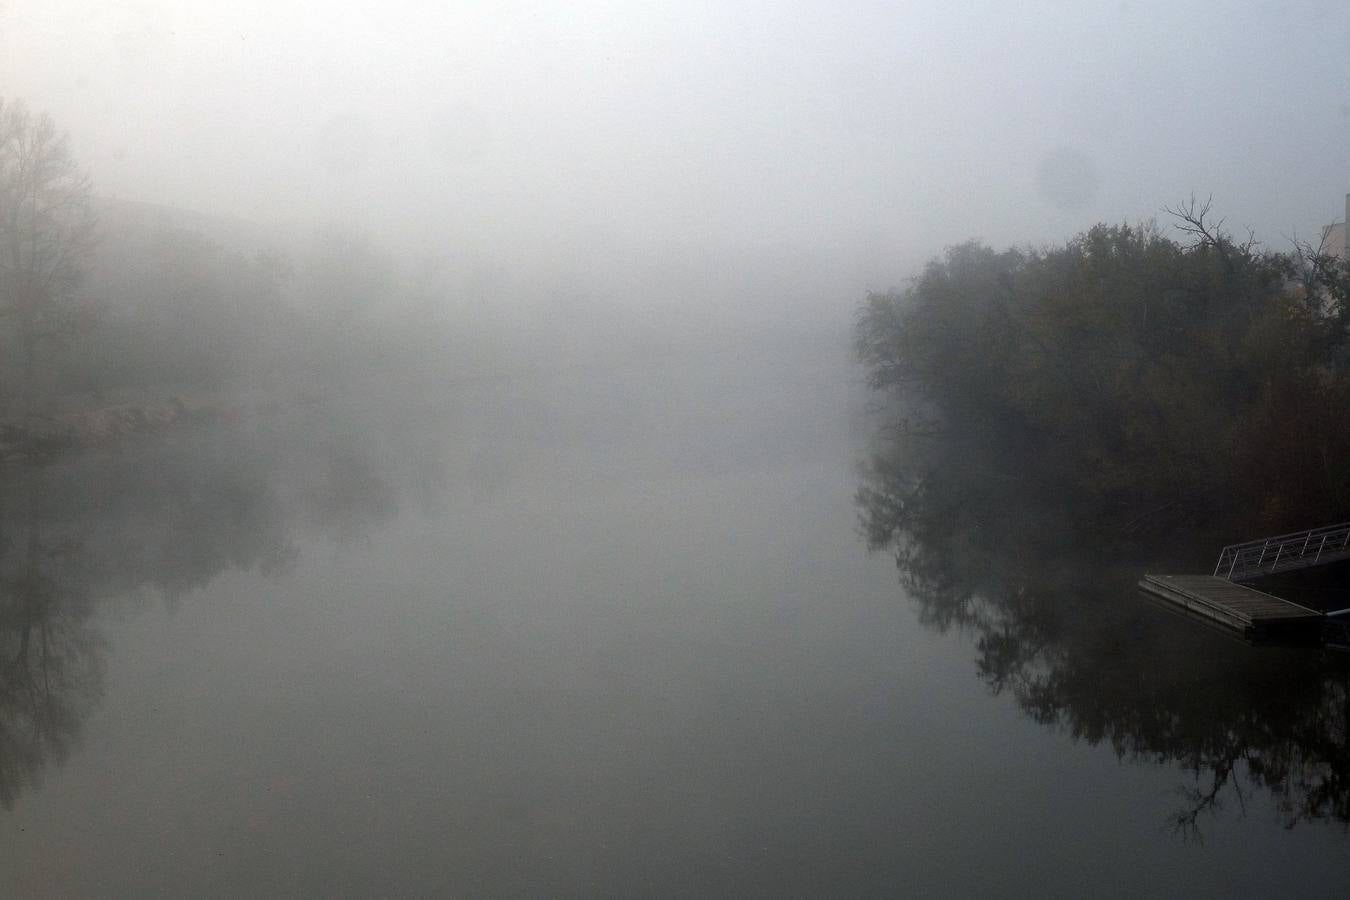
594	633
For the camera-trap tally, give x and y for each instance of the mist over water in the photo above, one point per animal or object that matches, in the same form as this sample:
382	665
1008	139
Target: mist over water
510	639
439	461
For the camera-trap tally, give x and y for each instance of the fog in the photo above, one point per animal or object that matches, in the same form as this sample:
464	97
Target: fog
570	449
710	166
865	138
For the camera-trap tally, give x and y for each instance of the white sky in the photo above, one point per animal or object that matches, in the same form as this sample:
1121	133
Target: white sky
889	129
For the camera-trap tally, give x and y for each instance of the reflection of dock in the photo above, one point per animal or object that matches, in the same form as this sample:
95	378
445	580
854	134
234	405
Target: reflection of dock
1250	612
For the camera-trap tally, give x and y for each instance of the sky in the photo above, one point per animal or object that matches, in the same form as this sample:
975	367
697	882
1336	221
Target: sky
876	132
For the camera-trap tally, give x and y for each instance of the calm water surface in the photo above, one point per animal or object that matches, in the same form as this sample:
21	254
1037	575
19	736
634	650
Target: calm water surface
596	633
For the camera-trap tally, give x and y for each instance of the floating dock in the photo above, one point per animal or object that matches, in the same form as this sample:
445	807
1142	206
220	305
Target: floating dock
1249	612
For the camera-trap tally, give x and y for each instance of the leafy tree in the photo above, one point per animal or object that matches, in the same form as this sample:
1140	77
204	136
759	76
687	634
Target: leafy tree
46	233
1132	376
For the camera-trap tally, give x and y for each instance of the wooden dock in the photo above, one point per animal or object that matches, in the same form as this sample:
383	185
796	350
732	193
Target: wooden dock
1235	607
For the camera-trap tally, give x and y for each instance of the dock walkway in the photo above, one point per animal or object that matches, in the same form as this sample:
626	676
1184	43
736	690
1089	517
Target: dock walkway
1283	552
1251	612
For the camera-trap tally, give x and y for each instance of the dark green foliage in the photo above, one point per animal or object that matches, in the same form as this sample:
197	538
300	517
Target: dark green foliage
1130	379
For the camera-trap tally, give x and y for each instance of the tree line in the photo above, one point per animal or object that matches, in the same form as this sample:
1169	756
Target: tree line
1127	380
104	300
1057	421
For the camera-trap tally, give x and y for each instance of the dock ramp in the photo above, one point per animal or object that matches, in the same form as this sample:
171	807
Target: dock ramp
1284	552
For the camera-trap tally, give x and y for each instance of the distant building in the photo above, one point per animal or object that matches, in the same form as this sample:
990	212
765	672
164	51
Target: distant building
1336	237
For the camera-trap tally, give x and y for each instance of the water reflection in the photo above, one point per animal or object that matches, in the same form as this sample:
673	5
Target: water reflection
1059	627
154	519
50	661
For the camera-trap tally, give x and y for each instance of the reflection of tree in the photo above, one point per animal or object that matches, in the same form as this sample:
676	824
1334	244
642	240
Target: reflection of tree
168	515
50	668
1060	628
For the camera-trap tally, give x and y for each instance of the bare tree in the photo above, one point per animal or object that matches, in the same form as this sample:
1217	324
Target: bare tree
1191	218
46	233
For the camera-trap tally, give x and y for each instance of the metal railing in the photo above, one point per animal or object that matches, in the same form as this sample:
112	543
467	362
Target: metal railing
1283	552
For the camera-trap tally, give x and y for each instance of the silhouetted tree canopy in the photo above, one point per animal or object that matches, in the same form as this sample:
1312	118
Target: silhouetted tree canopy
1059	421
1136	378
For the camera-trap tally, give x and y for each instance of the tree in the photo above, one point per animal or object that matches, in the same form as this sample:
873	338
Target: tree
1125	372
46	234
